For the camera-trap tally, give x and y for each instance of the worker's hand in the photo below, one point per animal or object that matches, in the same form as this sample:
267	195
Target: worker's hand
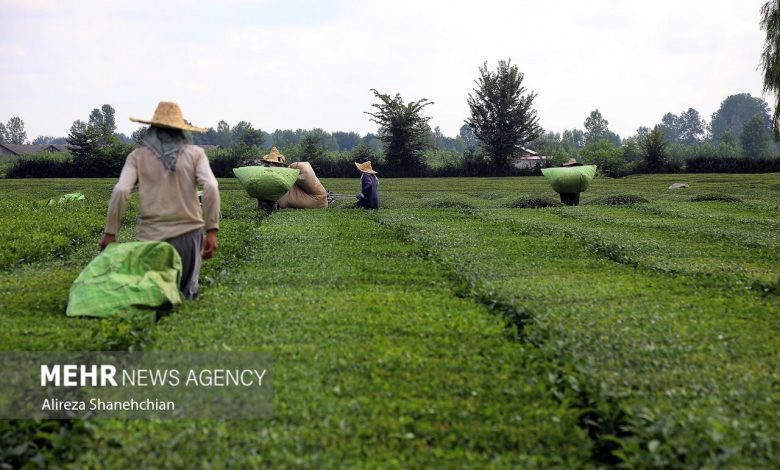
209	244
108	238
359	196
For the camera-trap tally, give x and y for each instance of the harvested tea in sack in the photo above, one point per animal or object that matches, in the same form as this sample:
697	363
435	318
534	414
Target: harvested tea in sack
127	279
569	180
266	183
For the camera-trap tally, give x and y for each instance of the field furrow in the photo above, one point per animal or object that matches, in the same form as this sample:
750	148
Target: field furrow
680	359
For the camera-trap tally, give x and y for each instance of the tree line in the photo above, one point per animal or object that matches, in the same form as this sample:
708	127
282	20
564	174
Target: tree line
502	126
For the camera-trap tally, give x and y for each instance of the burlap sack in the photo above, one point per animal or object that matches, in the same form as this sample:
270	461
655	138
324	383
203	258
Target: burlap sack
307	193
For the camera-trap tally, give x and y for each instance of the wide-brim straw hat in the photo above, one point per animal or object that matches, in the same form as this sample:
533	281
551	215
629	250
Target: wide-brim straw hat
168	114
274	157
365	167
572	162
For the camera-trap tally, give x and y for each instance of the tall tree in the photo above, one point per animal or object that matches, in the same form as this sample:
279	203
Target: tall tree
469	138
15	133
770	57
596	127
573	139
243	133
43	140
693	129
502	115
224	136
312	147
3	134
654	150
85	140
735	111
754	138
404	131
670	126
346	140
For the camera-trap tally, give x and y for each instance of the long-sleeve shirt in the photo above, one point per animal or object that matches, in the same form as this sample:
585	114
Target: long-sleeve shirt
368	187
168	200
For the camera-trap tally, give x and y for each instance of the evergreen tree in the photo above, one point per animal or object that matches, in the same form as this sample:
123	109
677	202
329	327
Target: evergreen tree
404	132
654	150
502	115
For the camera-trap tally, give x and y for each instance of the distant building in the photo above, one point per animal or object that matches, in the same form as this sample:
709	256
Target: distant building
207	147
527	159
15	150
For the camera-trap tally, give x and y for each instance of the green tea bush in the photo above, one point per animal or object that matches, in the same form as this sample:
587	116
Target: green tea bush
732	165
715	197
533	203
620	200
42	165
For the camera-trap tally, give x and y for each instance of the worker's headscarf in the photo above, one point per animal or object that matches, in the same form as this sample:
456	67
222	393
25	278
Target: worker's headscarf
165	143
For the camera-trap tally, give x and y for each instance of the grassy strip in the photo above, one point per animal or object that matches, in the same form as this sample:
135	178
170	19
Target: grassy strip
33	298
377	363
727	256
687	364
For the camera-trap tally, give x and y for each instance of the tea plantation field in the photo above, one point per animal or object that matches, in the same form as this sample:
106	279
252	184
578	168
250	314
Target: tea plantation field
468	323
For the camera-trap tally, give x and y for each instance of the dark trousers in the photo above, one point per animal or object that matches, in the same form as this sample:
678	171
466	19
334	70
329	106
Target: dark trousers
189	246
570	199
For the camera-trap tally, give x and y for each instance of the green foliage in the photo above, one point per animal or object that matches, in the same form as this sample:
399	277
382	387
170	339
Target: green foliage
13	132
597	128
533	203
404	131
770	57
620	200
362	153
312	147
42	165
502	116
753	138
654	151
715	197
736	111
608	158
717	164
564	337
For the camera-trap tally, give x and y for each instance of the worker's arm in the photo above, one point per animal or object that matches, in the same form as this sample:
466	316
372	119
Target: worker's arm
119	199
211	203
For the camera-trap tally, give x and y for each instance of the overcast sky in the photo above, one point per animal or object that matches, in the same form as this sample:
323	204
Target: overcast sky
306	64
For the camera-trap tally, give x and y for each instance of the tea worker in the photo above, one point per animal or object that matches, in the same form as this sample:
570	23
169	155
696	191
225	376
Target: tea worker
307	193
571	199
167	171
368	197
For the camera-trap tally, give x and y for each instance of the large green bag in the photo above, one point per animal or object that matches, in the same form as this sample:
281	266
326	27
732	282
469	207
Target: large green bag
127	278
572	179
266	183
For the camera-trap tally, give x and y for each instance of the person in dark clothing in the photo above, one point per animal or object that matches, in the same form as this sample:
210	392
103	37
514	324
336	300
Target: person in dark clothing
368	197
571	199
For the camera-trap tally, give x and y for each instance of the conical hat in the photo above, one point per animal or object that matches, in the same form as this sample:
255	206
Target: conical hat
365	167
274	157
168	114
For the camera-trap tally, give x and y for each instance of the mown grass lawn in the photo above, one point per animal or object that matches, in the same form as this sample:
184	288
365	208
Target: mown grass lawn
454	327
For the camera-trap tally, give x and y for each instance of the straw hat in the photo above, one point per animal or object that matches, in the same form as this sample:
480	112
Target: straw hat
365	167
274	157
168	114
572	162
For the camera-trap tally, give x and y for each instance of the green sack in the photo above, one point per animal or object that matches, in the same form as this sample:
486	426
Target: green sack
127	278
572	179
266	183
68	198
